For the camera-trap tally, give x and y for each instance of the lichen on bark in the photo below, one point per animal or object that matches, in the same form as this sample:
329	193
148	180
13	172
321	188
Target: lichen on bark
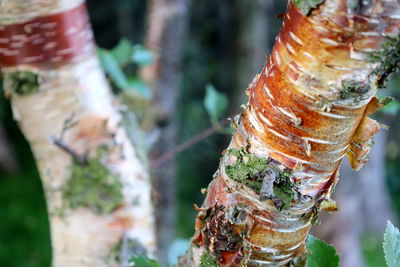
93	185
307	110
307	6
246	168
389	58
22	82
262	175
354	89
207	260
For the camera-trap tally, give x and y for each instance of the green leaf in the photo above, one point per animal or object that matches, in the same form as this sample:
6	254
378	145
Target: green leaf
122	52
141	55
143	261
321	254
112	68
391	245
215	103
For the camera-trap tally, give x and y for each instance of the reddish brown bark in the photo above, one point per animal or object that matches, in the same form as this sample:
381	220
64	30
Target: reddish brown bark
302	116
49	39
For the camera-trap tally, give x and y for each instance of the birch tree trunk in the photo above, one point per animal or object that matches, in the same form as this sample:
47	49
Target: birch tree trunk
165	36
307	109
97	191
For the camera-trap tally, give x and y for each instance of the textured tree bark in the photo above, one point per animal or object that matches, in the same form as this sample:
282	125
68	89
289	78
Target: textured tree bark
165	36
97	191
307	109
353	196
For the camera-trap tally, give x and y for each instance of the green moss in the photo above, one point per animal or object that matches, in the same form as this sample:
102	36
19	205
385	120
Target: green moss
246	168
307	6
206	260
93	186
250	170
283	191
353	89
22	82
389	57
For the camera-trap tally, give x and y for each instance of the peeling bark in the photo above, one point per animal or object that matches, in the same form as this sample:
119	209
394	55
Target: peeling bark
97	191
307	109
361	197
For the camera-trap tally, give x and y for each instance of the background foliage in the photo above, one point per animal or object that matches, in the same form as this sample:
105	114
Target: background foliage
211	53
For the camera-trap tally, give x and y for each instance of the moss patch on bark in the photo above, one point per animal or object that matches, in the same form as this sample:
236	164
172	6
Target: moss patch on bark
389	57
93	186
245	168
354	89
307	6
251	171
206	260
22	82
283	191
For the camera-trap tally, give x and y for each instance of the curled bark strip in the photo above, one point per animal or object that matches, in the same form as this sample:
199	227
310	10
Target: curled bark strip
307	109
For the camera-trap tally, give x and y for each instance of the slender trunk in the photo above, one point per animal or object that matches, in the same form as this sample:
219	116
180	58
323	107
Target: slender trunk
165	35
252	40
226	30
97	191
307	109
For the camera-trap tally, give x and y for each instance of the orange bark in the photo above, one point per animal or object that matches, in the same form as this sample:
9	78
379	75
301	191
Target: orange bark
307	109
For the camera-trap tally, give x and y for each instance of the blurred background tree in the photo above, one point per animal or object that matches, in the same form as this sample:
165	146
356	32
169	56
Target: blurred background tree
224	45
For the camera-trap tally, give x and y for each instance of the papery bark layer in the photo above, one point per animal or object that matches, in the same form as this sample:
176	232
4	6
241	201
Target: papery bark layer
307	109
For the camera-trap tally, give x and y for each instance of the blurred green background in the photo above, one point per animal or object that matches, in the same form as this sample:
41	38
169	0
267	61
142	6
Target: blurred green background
214	52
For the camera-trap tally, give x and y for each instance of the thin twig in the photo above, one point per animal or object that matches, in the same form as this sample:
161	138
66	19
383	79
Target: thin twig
82	160
189	143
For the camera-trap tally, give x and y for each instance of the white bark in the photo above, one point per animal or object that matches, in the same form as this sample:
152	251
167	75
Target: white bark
77	91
